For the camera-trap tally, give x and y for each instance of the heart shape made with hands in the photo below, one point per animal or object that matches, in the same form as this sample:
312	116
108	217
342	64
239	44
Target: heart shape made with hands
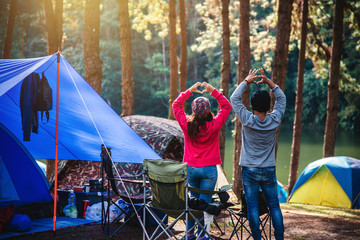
197	87
258	79
202	89
256	74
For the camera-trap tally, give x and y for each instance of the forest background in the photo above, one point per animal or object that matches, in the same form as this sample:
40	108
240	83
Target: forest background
151	55
149	21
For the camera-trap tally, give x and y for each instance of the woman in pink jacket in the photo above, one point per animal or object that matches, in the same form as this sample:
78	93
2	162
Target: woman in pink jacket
201	132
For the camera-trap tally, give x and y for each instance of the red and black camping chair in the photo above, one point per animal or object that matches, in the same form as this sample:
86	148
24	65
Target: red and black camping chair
239	220
127	185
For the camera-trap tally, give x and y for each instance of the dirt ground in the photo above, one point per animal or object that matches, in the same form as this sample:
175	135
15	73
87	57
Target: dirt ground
300	223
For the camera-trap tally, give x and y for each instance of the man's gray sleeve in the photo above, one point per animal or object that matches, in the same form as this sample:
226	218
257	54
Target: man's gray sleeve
240	110
280	103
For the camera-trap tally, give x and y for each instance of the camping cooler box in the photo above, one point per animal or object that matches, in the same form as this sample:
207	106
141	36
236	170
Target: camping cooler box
93	197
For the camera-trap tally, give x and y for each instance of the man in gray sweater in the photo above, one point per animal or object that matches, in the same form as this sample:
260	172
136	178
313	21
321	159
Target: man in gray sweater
257	157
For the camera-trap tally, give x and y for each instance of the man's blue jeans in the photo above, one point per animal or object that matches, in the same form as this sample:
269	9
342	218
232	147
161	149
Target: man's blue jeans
264	178
203	178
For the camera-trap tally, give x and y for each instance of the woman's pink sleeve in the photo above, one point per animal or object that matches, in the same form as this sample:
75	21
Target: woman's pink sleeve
225	108
179	110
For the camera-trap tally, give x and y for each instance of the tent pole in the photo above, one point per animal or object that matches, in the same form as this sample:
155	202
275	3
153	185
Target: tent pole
56	139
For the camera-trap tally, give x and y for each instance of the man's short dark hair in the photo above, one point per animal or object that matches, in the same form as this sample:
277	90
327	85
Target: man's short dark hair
260	101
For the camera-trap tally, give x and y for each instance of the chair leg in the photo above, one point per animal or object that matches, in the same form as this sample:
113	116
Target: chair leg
266	219
218	227
105	217
186	227
122	225
232	216
203	229
247	229
165	229
158	227
238	222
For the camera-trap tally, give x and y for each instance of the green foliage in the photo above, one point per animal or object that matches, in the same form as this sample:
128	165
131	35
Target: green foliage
155	64
34	39
111	73
315	95
154	85
262	43
149	21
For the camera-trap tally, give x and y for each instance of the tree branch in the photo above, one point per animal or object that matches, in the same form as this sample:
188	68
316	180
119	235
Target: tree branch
350	7
315	32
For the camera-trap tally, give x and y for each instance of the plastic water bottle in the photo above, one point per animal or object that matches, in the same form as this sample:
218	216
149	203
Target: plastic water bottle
72	205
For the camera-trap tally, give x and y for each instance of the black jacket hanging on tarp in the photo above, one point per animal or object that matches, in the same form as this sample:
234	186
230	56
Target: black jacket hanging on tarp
29	116
35	95
43	98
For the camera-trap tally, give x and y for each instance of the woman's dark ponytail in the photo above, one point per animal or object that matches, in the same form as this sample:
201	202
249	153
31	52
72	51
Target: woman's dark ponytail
196	124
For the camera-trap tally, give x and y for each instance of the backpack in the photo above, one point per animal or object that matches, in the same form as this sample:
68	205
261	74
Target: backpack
43	98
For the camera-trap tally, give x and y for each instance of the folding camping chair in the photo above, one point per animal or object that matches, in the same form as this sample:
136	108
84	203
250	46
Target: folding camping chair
129	188
170	193
238	215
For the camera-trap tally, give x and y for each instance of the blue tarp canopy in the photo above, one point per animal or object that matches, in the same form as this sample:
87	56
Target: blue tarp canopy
85	119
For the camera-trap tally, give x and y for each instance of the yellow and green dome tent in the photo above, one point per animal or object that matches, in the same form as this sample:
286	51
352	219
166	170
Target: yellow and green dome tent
333	181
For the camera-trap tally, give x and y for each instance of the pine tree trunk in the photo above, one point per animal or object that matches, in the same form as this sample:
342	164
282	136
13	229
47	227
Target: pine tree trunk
183	43
126	60
243	69
225	68
9	29
295	150
59	21
92	61
282	42
333	84
51	28
281	50
195	77
173	56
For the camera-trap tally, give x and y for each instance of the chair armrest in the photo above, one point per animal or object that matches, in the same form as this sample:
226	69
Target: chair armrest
210	192
222	192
